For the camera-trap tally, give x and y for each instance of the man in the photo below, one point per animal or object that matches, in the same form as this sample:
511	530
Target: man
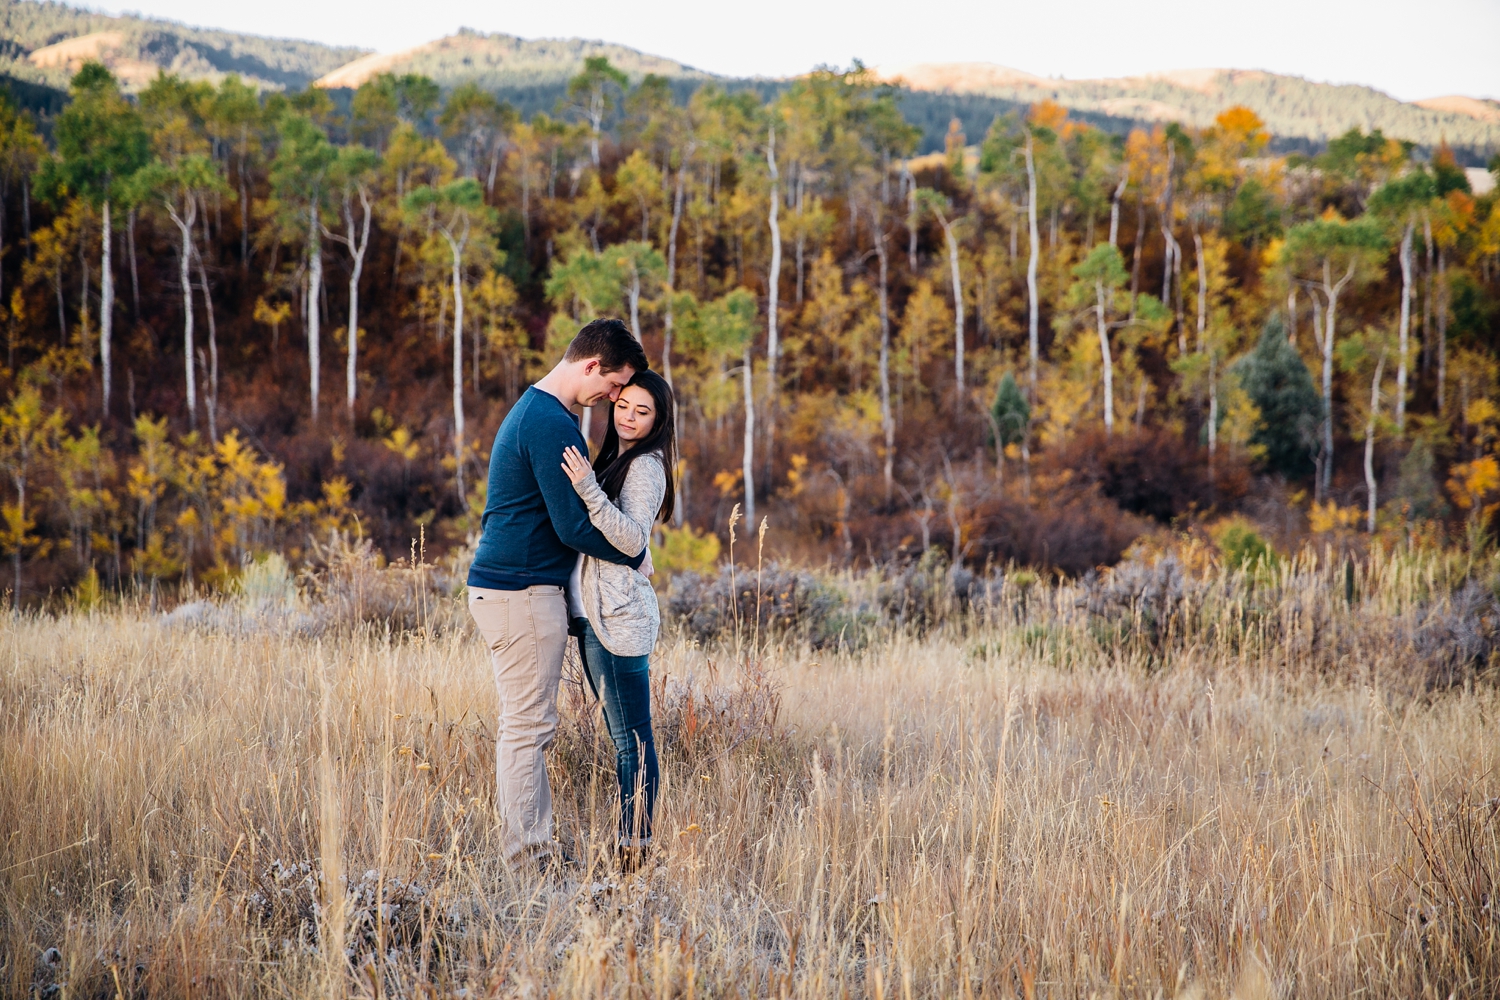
533	527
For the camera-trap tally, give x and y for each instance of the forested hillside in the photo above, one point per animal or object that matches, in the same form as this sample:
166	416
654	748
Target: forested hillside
1291	107
1038	353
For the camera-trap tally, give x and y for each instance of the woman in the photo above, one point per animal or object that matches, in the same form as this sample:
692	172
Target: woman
628	489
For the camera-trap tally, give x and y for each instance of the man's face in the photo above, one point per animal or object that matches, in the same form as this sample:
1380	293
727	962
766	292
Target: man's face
599	385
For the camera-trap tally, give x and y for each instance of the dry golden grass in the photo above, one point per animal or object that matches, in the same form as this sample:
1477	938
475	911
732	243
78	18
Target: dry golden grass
1014	808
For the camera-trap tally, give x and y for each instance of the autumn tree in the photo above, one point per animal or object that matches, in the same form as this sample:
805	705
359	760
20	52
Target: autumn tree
1329	255
478	124
299	180
593	94
1403	202
940	208
353	176
21	151
178	188
1364	357
458	213
101	142
1099	276
29	435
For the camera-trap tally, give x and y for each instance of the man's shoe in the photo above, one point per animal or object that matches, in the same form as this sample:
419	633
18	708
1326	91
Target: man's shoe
551	861
633	857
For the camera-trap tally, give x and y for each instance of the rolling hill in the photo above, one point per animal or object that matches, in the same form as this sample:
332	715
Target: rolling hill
499	61
1292	107
45	43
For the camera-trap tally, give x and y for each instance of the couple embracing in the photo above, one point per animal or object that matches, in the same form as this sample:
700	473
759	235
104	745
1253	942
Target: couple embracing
564	552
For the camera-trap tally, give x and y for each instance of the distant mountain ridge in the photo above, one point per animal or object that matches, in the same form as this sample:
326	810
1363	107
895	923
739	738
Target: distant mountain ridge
45	43
1291	106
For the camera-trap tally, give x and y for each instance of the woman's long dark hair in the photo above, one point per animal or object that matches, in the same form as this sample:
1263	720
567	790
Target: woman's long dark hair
610	466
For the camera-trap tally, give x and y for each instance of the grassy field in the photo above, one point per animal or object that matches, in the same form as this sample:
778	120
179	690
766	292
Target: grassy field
1275	791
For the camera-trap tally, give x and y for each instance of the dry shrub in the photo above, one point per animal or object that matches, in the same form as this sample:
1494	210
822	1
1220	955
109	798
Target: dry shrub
777	600
352	584
826	608
1153	473
1067	525
1454	878
1328	608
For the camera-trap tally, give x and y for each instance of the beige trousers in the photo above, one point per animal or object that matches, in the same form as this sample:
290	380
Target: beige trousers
527	634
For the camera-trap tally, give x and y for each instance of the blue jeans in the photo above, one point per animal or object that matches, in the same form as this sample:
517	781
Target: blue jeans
623	684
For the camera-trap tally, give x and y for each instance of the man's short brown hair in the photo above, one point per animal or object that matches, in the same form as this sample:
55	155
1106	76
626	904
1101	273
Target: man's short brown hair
612	343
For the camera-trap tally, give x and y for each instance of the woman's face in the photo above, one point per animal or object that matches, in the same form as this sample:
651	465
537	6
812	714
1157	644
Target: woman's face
635	413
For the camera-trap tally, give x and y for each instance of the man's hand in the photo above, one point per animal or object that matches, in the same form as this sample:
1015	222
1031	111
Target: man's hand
646	569
575	466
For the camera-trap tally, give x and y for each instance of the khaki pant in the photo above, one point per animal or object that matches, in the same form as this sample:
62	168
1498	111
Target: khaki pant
527	633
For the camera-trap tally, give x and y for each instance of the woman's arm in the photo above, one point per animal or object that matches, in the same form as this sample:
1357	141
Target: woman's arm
627	527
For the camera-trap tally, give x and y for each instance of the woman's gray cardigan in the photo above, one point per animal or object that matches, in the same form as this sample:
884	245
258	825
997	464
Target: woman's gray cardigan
618	601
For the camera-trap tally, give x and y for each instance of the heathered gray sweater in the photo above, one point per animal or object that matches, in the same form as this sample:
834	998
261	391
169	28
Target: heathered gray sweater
618	601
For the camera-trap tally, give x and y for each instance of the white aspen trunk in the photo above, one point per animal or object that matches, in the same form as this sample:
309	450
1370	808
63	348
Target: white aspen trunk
135	282
244	202
1442	331
635	302
1291	315
887	422
911	227
1327	350
1370	441
1405	326
1331	289
1106	359
106	305
1427	296
357	251
1135	251
958	310
15	557
773	297
1114	208
185	253
748	464
495	147
456	246
211	400
1172	259
596	120
680	497
1202	291
668	319
1033	343
1213	412
83	297
1166	226
314	317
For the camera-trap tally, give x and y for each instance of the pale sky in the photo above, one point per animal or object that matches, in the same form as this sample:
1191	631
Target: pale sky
1410	50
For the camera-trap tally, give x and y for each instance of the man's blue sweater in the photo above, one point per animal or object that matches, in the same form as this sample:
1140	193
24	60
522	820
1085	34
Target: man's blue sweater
534	522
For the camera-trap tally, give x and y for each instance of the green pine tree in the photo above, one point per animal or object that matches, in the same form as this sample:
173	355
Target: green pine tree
1010	412
1279	383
